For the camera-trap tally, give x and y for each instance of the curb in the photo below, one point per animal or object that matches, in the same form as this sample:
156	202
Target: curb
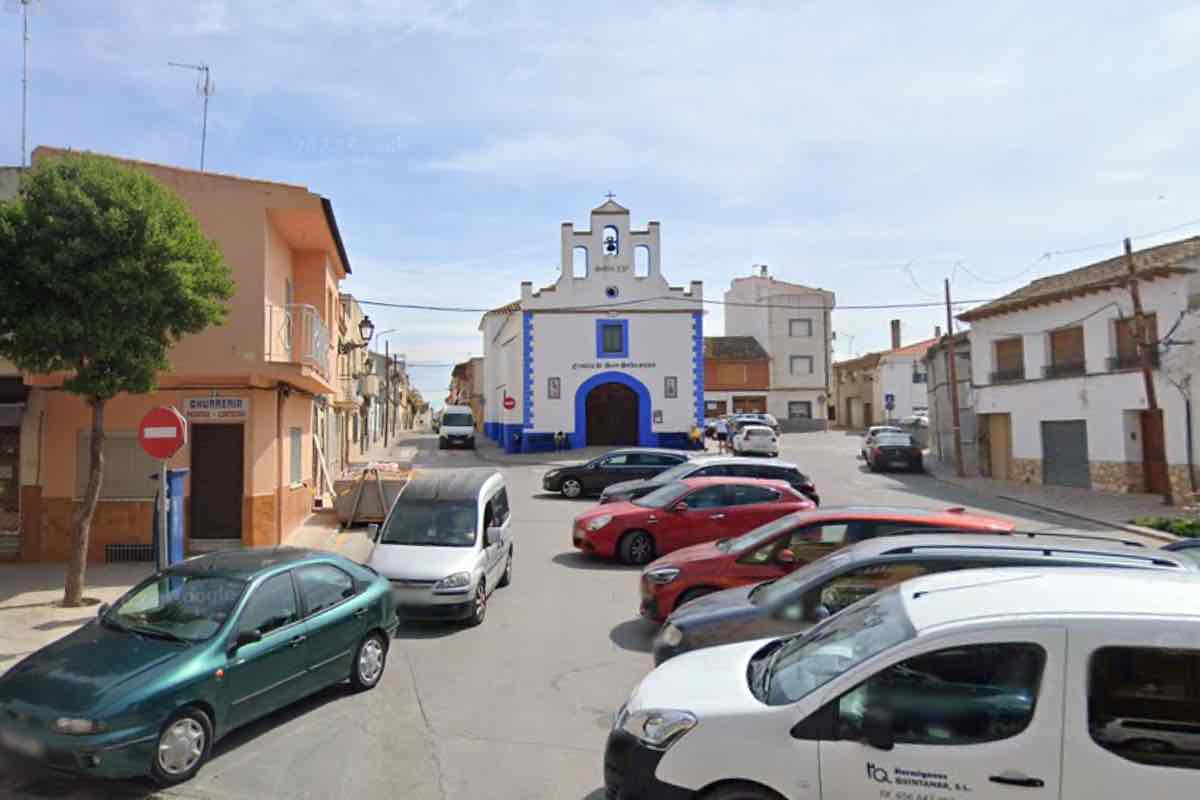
1150	533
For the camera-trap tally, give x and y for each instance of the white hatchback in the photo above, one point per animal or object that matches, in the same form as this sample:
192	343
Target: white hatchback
757	439
957	685
446	544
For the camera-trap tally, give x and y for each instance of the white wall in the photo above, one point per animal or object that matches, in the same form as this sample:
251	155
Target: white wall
1100	397
895	377
564	346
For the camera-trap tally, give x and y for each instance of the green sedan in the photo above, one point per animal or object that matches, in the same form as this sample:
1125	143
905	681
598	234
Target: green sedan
190	654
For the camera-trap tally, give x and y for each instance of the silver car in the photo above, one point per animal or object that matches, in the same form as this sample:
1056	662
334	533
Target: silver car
446	545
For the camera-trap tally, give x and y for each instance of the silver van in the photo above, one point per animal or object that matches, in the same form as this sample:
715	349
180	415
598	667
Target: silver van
446	544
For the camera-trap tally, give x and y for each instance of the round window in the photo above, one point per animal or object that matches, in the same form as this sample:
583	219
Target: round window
611	291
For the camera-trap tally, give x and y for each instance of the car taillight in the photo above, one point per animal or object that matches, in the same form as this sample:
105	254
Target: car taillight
877	451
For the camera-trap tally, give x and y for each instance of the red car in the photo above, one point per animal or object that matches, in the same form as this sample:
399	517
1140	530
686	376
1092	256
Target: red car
776	549
683	513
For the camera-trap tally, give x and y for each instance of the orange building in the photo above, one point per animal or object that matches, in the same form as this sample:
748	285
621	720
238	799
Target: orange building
254	389
737	375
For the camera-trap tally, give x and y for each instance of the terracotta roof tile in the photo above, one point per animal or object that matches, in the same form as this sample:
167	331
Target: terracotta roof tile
733	348
1153	262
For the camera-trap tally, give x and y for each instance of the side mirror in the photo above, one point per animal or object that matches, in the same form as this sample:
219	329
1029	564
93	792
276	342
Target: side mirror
493	536
244	638
680	507
373	531
877	728
821	612
102	610
785	556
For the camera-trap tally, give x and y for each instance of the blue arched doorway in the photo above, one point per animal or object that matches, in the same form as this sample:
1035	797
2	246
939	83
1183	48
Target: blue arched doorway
626	402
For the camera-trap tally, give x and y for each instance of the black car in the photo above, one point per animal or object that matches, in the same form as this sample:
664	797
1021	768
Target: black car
803	598
895	451
714	466
592	477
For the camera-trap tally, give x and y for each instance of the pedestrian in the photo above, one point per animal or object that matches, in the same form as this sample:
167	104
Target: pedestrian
560	441
722	428
697	437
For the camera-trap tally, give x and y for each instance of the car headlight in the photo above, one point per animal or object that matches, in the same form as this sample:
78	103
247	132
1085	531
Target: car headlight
670	635
658	729
661	575
553	473
596	523
458	582
77	727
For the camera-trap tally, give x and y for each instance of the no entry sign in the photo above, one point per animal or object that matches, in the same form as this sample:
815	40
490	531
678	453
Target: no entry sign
510	403
162	432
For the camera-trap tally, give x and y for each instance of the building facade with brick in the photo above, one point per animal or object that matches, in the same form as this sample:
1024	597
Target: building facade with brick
737	376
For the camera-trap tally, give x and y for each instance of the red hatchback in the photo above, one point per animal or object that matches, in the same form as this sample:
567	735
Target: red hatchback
683	513
774	550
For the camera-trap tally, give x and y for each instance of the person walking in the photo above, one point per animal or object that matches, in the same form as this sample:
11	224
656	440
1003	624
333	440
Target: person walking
697	438
722	428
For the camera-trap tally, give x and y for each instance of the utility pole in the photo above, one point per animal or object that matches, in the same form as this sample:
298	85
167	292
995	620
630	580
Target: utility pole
205	88
1153	442
387	388
952	357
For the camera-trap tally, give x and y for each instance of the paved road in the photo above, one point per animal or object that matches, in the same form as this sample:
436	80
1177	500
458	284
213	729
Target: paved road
517	708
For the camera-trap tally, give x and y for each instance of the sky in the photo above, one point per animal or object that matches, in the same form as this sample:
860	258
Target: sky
874	149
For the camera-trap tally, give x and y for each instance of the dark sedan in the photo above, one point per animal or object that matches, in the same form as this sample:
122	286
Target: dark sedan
592	477
714	467
803	598
895	451
192	653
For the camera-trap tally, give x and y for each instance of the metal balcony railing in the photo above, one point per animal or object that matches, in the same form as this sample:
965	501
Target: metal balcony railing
296	334
1123	361
1064	369
1008	375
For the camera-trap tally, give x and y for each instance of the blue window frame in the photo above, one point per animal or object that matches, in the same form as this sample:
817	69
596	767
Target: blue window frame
612	338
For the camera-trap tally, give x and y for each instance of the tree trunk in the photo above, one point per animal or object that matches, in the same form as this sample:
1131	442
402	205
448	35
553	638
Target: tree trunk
73	596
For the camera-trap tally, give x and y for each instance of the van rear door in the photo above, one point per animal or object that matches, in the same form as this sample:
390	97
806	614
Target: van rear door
974	716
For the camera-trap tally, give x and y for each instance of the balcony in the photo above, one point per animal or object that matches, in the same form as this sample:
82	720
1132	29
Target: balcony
296	334
1124	361
1008	375
1065	369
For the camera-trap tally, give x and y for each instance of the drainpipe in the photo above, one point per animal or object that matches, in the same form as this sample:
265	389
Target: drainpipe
280	398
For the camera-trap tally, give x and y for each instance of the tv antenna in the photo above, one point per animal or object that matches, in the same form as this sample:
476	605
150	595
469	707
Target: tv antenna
25	7
205	87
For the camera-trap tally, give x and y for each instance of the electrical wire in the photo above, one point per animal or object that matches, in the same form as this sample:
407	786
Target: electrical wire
625	303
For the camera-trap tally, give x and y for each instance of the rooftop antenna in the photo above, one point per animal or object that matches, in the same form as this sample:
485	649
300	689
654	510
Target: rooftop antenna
25	7
205	87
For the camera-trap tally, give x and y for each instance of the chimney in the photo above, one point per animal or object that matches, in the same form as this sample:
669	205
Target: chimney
937	331
761	269
895	334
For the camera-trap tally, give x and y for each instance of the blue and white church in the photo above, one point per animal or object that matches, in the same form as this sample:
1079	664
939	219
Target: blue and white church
611	354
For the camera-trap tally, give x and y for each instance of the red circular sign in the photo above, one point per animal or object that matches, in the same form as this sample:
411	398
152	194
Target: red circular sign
162	432
510	403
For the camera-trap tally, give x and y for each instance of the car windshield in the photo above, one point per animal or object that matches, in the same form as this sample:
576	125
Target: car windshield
436	524
663	496
754	539
894	440
458	420
1192	553
190	608
787	672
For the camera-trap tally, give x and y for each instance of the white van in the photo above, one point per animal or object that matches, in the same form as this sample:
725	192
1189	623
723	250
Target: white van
457	427
955	686
446	544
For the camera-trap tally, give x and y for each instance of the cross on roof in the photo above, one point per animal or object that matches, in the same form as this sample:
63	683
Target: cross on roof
610	195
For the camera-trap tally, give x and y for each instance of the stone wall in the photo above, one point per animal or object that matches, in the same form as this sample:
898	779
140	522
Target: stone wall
1116	476
1026	470
1181	484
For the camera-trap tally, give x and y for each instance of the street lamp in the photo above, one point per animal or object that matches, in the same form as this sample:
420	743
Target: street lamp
366	329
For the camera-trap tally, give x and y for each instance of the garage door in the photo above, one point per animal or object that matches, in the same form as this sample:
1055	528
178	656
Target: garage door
1064	454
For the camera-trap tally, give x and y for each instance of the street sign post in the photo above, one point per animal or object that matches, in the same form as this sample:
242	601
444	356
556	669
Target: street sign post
161	433
889	401
510	403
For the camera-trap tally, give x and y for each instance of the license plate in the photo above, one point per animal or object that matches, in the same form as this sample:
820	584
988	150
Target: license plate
899	463
22	745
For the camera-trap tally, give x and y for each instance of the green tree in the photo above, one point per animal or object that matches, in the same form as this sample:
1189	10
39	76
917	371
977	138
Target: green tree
103	269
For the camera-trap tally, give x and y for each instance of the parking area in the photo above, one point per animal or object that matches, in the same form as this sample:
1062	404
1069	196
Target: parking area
519	707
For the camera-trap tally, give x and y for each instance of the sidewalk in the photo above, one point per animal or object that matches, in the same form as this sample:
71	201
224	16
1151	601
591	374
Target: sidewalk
1102	508
30	617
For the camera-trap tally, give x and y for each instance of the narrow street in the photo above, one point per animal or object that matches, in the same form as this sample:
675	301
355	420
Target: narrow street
517	708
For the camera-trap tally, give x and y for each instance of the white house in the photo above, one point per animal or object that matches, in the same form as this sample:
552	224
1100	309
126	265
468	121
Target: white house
611	354
792	324
882	386
1059	390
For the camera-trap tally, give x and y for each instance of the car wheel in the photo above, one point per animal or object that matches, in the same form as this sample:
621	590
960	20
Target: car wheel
480	609
692	594
506	578
183	746
471	444
441	444
740	791
637	548
572	488
369	663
